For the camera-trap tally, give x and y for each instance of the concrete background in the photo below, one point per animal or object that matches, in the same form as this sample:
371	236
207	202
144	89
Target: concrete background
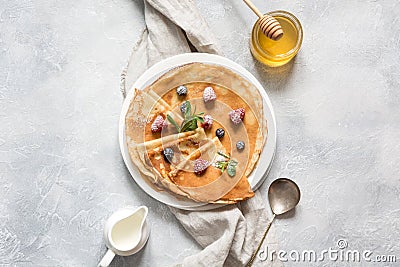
61	173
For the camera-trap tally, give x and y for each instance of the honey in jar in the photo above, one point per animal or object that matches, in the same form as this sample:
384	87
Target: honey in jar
277	53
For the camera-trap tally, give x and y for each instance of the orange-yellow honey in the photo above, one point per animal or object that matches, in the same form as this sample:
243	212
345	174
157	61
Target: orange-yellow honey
277	53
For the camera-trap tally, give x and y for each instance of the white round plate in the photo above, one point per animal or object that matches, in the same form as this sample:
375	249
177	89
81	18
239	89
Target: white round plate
260	171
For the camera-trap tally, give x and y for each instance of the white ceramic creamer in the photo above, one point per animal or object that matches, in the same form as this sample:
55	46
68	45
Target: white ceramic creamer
126	232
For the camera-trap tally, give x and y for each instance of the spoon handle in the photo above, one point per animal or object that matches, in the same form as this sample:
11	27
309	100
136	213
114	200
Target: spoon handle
106	260
253	257
254	8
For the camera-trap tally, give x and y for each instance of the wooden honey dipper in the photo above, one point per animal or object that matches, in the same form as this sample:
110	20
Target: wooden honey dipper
269	25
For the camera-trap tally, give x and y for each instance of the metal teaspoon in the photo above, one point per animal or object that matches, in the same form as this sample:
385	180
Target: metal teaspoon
283	196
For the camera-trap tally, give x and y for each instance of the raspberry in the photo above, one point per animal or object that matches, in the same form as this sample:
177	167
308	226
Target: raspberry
158	124
242	112
209	94
200	166
237	115
208	121
181	90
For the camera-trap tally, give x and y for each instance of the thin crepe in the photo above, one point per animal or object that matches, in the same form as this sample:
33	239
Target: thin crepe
142	111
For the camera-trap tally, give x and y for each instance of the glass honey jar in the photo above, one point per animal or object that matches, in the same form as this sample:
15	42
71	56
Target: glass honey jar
277	53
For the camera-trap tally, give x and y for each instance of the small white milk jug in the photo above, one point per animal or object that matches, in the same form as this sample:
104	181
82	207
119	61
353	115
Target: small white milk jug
126	232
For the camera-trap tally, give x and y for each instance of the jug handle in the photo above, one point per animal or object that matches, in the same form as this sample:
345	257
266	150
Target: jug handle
106	260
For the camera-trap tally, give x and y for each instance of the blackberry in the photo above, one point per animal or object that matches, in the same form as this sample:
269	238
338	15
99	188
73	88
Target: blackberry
220	133
168	154
183	107
181	90
240	145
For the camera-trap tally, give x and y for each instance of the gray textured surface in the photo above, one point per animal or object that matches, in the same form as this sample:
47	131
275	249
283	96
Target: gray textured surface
61	174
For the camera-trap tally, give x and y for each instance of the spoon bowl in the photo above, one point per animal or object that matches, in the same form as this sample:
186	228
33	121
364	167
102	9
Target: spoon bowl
283	195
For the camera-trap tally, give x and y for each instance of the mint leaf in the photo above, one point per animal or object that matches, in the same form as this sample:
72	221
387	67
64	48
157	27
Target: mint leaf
223	154
188	109
200	119
231	170
190	120
173	122
232	163
189	125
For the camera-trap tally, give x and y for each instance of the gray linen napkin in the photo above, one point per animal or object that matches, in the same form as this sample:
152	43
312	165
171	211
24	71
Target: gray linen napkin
229	234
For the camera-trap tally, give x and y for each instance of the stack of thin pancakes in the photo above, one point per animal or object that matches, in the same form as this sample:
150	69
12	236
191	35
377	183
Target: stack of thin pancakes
177	177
